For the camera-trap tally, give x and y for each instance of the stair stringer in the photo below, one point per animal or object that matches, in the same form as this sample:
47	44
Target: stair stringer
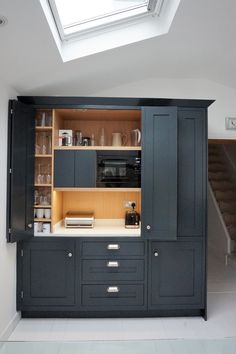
219	240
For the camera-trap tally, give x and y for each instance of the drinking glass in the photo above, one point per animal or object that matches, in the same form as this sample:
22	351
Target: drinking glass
49	144
40	177
43	144
48	174
102	139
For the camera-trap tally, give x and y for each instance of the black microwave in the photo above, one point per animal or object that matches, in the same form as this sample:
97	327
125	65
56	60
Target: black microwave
118	169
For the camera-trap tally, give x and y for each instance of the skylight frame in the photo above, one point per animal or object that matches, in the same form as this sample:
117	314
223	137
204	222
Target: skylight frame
153	8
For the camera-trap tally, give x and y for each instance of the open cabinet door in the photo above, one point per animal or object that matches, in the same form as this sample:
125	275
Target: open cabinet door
159	173
20	188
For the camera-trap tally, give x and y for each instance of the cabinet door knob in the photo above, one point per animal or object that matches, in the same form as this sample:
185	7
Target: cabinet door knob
148	227
69	254
156	254
30	226
113	247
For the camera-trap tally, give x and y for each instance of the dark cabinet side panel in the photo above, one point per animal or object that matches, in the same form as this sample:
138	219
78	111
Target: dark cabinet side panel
64	169
192	176
159	173
85	169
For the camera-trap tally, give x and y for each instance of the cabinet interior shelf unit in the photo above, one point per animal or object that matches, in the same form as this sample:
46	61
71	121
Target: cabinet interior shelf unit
90	122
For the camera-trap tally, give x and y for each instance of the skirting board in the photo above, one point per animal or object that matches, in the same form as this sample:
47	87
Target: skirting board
10	327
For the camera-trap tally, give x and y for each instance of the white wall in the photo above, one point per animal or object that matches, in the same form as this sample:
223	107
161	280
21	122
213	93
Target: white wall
7	251
224	105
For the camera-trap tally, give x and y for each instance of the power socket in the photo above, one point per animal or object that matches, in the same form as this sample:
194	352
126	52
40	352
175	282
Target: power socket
128	203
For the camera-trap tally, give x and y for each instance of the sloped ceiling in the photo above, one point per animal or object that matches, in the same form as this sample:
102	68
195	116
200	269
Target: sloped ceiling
200	44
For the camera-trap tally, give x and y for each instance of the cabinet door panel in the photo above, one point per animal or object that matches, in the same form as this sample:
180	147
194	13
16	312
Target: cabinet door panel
191	172
64	168
176	275
85	169
49	273
159	172
20	193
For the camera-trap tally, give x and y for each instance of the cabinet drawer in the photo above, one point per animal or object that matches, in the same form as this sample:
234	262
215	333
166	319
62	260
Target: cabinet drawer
105	269
110	295
112	248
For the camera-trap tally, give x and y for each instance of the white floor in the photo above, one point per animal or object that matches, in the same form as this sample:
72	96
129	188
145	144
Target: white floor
221	322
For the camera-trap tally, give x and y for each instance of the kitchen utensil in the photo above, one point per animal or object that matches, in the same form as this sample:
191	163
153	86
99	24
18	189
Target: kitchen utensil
102	139
135	137
78	138
65	137
86	141
119	139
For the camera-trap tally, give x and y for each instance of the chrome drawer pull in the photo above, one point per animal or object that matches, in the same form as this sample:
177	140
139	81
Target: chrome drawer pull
113	289
113	247
114	264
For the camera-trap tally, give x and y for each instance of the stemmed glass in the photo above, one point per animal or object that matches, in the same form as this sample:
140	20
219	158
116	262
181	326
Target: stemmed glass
48	175
40	177
44	144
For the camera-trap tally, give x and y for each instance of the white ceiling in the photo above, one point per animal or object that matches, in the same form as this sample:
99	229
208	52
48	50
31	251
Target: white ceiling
201	44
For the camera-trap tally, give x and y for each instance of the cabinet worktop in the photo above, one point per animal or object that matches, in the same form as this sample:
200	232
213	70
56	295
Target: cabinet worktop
102	228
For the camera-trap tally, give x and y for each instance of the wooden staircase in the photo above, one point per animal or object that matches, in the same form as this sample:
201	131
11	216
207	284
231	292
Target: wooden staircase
223	183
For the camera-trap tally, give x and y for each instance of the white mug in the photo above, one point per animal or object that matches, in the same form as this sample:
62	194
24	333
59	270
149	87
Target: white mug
119	139
46	228
36	227
40	213
47	213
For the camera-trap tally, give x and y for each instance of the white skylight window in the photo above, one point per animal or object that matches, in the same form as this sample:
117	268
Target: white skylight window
74	17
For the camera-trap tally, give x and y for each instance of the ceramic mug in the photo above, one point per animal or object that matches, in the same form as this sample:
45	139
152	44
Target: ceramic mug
119	139
47	213
40	213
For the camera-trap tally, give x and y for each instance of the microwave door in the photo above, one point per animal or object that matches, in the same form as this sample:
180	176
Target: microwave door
114	170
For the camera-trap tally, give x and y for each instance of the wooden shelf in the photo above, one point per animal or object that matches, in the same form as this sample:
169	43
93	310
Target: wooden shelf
43	129
43	155
43	219
97	189
42	206
128	148
43	185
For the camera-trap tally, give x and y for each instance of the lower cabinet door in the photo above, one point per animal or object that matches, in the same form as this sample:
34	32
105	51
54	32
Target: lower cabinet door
176	275
48	273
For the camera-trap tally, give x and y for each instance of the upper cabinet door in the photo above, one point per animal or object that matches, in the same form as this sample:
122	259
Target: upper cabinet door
64	168
85	169
192	169
20	208
159	173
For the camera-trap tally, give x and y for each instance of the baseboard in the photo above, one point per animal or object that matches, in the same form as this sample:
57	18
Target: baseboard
10	327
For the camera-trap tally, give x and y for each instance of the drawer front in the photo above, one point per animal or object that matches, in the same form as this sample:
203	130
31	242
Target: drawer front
111	296
120	269
112	248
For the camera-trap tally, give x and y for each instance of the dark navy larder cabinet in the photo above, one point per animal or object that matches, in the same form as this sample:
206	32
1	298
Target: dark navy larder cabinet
161	273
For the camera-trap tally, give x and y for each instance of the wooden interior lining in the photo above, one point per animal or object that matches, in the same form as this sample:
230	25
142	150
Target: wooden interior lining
57	210
104	205
91	121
